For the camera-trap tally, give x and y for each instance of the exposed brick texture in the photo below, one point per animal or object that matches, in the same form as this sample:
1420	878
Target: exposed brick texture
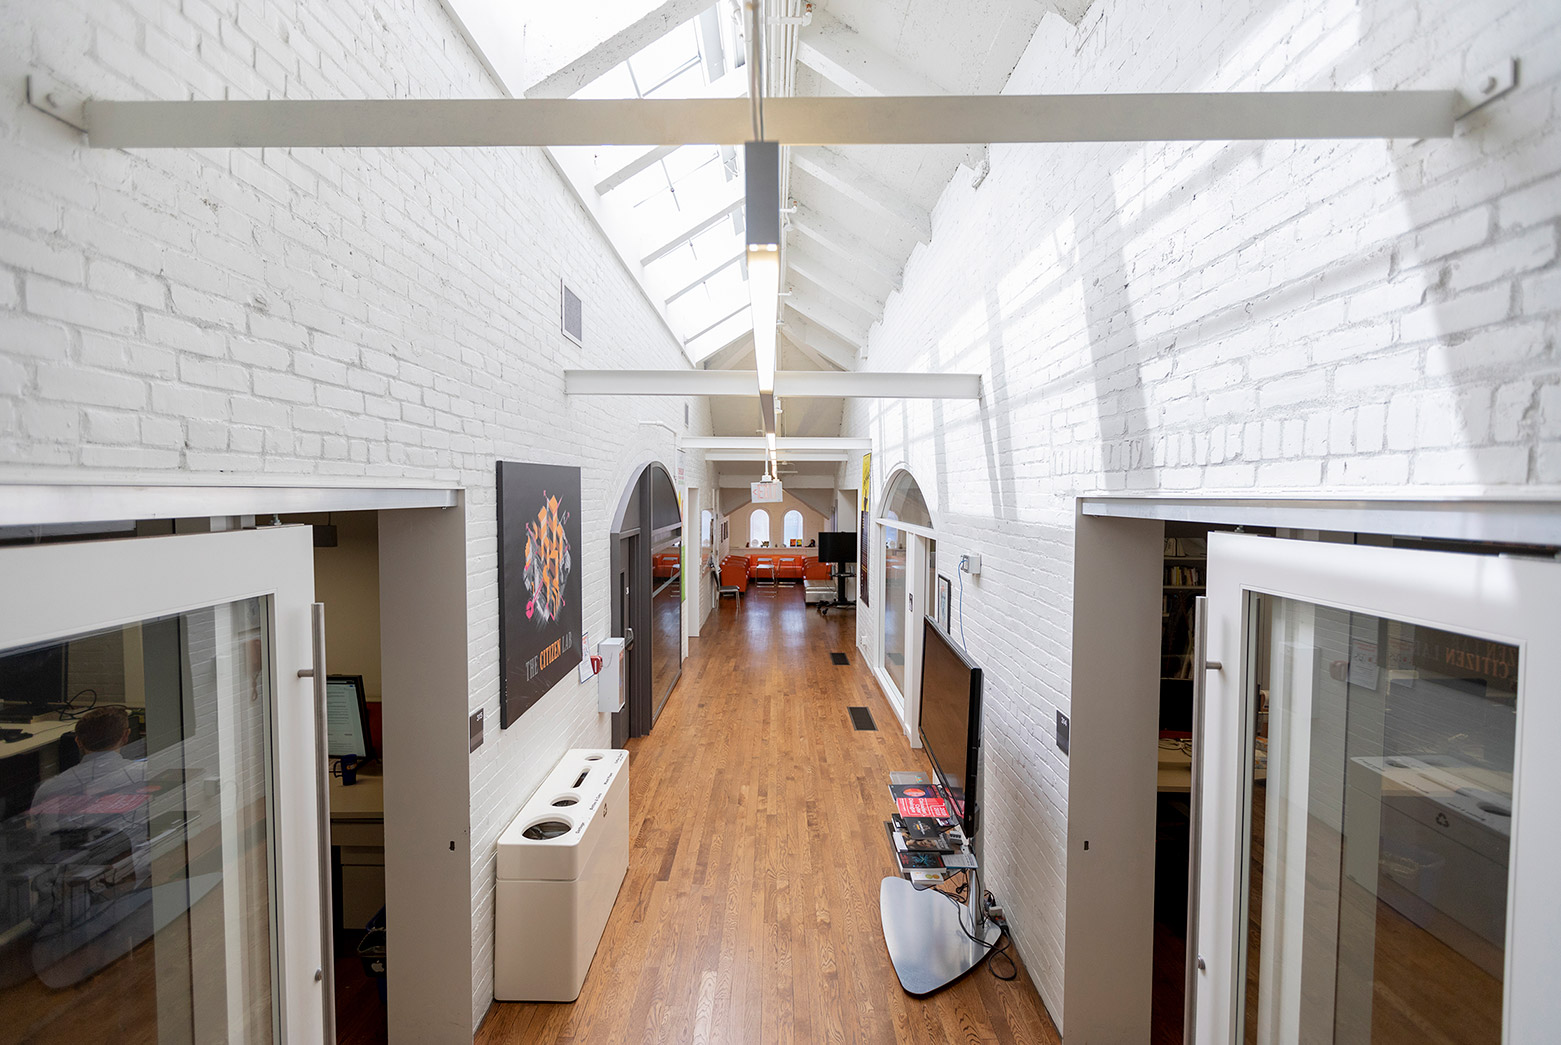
366	314
1248	317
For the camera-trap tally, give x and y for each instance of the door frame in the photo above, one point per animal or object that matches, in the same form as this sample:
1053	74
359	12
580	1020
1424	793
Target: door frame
919	585
1515	601
95	585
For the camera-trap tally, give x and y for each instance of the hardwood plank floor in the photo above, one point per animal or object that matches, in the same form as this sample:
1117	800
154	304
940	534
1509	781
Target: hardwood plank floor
750	910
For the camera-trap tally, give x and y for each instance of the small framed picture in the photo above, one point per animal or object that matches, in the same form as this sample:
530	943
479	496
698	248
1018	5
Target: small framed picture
945	598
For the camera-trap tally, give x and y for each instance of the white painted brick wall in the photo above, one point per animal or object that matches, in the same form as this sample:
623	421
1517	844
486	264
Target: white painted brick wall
361	313
1247	317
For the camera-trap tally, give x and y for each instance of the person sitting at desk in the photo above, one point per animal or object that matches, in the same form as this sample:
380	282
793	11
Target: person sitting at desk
104	791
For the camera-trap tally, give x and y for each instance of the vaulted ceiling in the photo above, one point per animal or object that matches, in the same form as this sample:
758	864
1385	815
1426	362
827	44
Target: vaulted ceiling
853	215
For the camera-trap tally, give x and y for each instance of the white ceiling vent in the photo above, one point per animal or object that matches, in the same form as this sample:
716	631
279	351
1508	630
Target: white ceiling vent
571	319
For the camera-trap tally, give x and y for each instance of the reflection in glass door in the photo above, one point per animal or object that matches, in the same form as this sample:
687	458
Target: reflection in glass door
159	845
1379	796
136	847
1379	827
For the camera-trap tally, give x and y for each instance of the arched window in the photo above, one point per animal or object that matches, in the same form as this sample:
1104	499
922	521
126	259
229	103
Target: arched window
706	528
792	527
758	528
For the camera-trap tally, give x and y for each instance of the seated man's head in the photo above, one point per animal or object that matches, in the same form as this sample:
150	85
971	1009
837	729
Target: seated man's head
102	729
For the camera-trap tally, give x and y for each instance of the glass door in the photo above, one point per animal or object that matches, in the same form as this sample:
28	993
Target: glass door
159	843
1379	796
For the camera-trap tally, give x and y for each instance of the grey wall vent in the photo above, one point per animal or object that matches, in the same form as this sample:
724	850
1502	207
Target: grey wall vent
573	322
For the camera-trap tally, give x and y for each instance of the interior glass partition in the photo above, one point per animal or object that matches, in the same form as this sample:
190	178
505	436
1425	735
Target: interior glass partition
1380	782
137	848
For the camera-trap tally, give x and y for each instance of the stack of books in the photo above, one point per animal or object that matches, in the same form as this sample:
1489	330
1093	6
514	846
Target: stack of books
927	841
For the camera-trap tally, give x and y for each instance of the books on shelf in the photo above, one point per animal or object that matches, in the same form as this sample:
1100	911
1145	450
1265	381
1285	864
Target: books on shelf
929	834
1183	576
918	800
1187	547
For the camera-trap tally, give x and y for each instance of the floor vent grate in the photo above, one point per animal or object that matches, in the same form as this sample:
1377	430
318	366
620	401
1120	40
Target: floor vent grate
862	719
840	659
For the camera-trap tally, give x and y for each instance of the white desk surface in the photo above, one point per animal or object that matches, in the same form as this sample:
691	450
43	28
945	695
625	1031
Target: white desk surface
1174	774
364	800
43	733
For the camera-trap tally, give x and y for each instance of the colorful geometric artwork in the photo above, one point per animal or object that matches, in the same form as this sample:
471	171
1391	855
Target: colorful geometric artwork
547	563
539	582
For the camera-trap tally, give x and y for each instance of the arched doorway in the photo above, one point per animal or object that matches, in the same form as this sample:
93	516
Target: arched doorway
647	597
908	552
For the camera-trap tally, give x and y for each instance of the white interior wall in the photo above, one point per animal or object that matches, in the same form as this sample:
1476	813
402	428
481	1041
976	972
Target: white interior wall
1247	318
298	314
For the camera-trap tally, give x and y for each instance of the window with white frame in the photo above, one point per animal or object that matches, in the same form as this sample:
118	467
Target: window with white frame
758	528
791	528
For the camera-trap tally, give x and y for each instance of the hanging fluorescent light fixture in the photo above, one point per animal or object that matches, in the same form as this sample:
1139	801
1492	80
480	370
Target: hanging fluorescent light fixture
761	166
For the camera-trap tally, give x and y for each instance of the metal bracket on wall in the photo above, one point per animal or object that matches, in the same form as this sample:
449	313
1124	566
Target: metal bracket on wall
48	95
1479	91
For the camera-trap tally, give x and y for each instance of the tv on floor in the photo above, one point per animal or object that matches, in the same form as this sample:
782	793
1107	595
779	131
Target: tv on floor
951	719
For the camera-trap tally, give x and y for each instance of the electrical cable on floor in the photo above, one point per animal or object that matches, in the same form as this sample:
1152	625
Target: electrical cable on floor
993	951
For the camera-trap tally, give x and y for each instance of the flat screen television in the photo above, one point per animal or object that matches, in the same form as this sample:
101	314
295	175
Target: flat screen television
837	546
951	720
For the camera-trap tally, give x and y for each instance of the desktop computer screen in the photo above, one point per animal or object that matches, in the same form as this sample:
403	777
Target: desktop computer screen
347	717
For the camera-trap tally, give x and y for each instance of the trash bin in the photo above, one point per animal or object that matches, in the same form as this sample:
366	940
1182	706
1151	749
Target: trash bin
561	863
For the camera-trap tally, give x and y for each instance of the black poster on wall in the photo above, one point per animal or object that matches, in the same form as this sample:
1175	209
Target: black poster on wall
539	582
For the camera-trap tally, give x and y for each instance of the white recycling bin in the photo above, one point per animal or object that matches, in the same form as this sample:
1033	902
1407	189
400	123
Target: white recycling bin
561	863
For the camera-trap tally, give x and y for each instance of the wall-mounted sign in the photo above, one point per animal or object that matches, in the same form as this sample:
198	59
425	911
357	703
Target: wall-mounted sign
767	493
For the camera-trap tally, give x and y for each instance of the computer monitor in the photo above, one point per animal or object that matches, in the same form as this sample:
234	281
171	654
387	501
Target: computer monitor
32	682
951	719
837	546
347	717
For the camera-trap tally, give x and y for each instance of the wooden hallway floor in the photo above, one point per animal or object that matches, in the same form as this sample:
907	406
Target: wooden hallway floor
750	910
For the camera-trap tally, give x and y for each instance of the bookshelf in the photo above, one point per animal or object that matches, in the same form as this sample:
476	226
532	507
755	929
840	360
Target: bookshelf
1184	575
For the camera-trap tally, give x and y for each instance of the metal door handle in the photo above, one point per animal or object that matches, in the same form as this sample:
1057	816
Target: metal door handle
326	974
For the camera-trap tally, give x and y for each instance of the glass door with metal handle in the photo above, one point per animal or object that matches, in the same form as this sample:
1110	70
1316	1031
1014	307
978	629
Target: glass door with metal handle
1201	666
317	674
1379	795
159	835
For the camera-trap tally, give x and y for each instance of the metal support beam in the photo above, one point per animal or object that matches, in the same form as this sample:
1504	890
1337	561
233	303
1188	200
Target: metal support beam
848	384
742	478
945	120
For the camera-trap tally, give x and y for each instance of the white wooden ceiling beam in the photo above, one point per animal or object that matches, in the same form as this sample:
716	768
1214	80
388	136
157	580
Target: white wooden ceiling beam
846	384
740	480
732	85
858	185
945	120
851	62
819	314
785	442
818	359
692	222
834	284
622	45
642	161
726	355
842	248
800	331
714	270
784	455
